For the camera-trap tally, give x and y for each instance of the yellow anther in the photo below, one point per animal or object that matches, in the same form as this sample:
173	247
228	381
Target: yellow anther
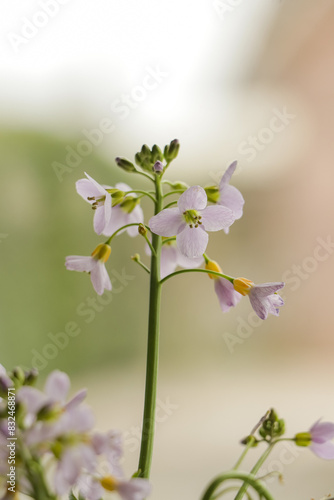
102	252
213	266
109	483
243	285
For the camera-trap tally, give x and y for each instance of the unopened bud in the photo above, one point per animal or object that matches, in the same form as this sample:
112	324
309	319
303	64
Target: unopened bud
136	257
179	185
171	151
158	167
156	154
142	230
125	164
212	193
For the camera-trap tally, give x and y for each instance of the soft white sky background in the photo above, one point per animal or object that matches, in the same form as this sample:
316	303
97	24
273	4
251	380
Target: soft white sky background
90	53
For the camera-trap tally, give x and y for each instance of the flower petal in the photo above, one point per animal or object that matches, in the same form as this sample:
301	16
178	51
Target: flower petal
87	190
194	198
168	261
323	450
118	219
168	222
135	489
57	386
137	216
96	185
322	431
32	399
192	242
261	307
265	289
217	217
231	198
187	263
79	263
228	174
226	294
100	278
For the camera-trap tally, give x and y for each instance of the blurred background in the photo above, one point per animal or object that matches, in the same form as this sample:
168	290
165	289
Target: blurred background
252	81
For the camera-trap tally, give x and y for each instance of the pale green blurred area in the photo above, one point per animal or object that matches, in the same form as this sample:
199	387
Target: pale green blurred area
219	372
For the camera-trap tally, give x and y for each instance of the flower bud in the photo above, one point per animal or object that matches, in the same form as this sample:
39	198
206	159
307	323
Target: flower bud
171	151
136	257
158	167
142	230
243	285
125	164
212	193
18	375
179	185
129	204
272	426
156	154
31	376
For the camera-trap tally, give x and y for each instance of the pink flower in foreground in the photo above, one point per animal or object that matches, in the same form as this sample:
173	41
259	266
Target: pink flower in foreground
263	298
321	435
230	196
95	265
99	198
132	489
126	212
191	220
224	289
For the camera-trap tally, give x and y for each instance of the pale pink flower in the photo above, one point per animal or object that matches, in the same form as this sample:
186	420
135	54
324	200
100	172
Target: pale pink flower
224	289
95	265
99	198
191	220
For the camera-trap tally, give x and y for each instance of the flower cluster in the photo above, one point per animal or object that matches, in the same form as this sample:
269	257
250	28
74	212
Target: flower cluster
49	427
184	228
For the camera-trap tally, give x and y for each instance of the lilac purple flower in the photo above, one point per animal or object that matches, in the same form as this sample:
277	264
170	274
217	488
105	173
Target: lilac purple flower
321	435
95	265
263	298
191	220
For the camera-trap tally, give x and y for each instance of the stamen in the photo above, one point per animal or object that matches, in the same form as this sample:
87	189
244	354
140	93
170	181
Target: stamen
90	198
196	225
199	222
191	226
94	207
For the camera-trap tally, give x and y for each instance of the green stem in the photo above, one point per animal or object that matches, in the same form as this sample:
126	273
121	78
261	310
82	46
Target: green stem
124	227
249	480
145	193
244	453
207	271
35	476
146	449
168	240
175	191
171	204
255	469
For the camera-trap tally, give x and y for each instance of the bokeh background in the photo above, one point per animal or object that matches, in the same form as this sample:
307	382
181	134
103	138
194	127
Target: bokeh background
252	81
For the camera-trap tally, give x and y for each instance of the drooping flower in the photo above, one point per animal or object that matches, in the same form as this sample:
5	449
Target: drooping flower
99	198
230	196
191	220
228	297
95	265
127	212
263	298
